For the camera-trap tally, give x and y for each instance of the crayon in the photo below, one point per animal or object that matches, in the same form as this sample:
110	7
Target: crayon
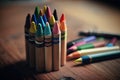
40	20
34	19
44	9
55	14
37	12
98	34
48	48
71	43
44	18
98	57
32	32
62	18
39	49
56	47
63	29
84	41
112	42
48	13
99	43
27	26
81	53
41	12
52	21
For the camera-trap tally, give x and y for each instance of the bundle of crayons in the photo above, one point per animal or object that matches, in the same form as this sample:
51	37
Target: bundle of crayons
92	49
45	40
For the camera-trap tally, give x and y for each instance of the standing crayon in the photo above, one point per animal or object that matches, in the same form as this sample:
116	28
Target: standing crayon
84	52
39	50
27	26
52	21
37	12
55	14
100	43
63	29
48	13
32	32
56	47
48	48
98	57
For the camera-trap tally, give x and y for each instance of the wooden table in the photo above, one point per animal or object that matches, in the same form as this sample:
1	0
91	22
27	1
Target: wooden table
80	15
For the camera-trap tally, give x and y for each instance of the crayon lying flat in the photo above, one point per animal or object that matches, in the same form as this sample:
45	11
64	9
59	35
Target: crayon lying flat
84	41
98	34
100	43
98	57
81	53
112	42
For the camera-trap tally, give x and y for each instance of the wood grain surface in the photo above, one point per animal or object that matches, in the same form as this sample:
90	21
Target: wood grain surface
80	15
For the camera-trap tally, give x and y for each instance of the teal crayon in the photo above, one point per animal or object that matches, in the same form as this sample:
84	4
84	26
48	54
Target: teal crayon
39	50
27	26
48	48
56	46
98	57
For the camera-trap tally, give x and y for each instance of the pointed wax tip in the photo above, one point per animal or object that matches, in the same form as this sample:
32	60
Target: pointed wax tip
33	27
62	18
27	22
55	14
56	28
52	20
48	12
37	10
39	31
41	12
47	30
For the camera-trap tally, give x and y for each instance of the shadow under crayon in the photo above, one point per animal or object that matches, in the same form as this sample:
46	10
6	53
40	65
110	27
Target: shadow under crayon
17	71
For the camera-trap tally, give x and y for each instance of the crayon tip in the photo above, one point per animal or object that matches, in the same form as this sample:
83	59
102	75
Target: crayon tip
37	10
41	12
56	28
63	26
52	20
27	22
41	21
44	18
62	18
55	14
39	31
78	61
44	9
73	55
34	18
32	27
48	12
47	30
